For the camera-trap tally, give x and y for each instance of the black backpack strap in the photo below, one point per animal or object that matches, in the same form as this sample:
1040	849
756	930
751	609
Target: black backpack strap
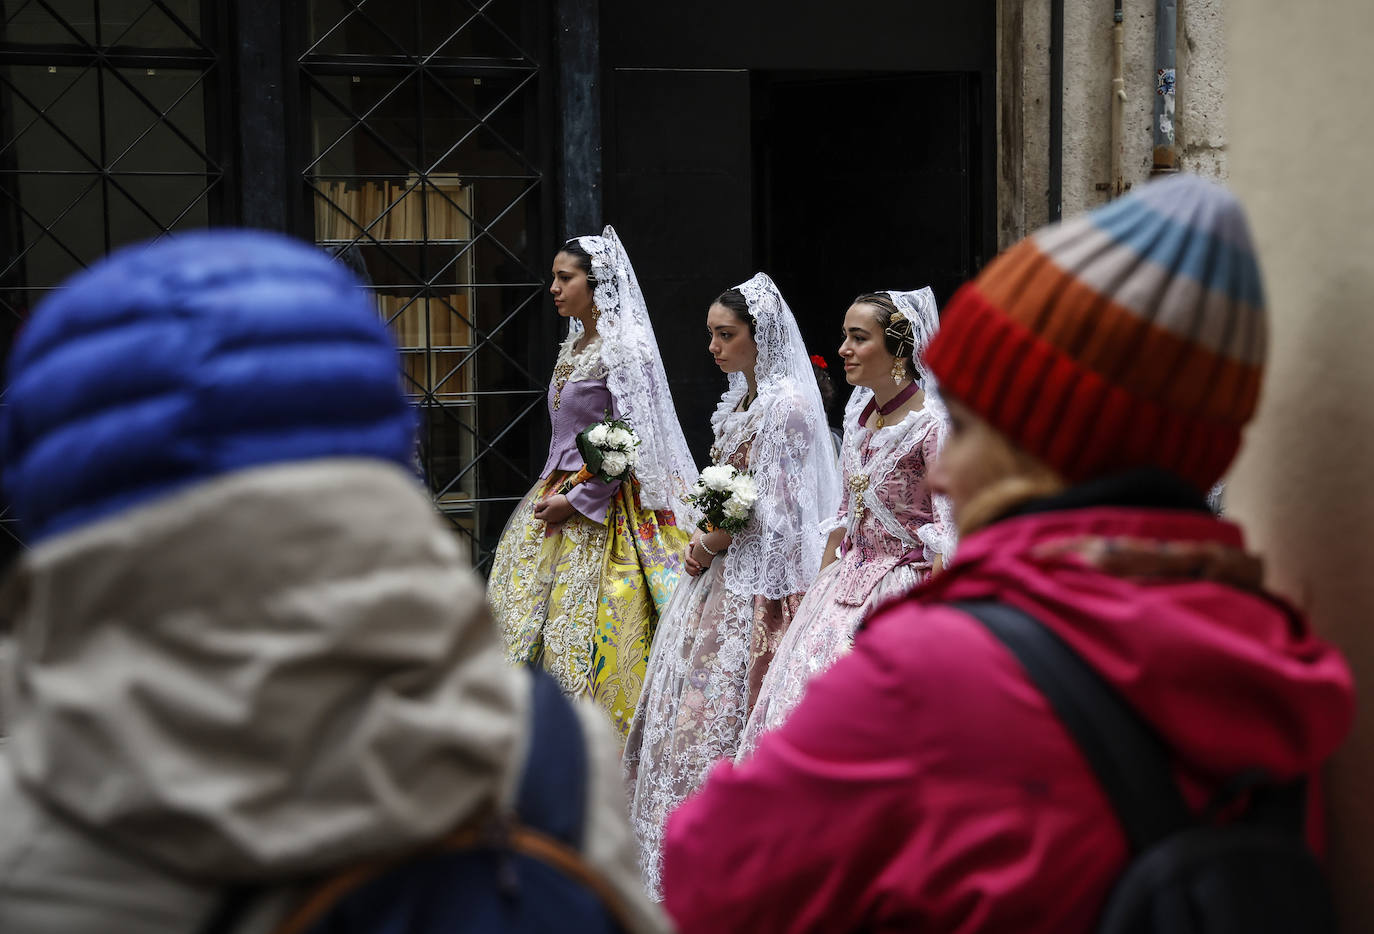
1127	756
1272	804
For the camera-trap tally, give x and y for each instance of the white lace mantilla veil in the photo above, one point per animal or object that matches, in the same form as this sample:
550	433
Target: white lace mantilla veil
697	682
792	458
919	308
636	379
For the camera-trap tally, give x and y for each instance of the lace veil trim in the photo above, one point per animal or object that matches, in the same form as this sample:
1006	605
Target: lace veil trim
636	379
792	457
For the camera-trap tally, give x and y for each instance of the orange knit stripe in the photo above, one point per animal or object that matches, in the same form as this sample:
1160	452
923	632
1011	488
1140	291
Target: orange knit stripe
1072	417
1114	341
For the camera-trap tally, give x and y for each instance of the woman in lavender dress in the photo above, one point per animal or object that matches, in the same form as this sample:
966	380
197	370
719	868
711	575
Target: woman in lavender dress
580	577
890	532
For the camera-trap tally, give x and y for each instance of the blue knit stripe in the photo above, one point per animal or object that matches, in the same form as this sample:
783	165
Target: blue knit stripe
201	354
1214	260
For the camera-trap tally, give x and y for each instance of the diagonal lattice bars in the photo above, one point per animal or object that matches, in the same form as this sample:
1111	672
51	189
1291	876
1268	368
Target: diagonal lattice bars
104	120
424	176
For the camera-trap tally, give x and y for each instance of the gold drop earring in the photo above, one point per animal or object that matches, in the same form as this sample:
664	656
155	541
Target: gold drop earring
899	370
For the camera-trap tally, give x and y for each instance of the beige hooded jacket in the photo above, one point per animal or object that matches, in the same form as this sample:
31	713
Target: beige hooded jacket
268	676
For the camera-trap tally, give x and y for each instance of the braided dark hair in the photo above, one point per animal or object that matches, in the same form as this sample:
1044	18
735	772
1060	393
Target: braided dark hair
898	337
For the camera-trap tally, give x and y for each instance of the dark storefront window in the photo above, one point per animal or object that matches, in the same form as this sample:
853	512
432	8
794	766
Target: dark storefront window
414	139
423	172
108	136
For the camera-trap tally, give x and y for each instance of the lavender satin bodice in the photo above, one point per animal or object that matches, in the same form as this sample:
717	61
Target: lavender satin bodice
580	404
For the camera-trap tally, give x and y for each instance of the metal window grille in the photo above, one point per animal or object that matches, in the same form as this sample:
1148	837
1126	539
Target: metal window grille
108	135
423	171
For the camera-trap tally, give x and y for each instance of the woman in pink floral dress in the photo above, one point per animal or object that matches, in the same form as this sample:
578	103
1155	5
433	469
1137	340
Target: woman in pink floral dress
890	533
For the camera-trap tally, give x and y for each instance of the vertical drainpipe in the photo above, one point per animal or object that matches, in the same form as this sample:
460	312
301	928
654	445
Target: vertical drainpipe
1117	185
1166	36
1056	193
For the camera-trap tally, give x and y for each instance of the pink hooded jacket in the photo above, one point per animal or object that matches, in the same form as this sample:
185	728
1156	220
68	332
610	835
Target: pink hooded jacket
923	784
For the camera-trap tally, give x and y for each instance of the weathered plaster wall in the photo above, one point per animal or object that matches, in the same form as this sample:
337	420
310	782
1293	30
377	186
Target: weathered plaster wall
1297	150
1202	88
1024	102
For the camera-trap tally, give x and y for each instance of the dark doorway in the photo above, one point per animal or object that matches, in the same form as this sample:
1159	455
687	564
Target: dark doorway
680	162
834	183
837	148
863	183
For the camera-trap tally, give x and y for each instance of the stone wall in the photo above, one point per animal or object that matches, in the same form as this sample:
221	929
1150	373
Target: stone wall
1024	102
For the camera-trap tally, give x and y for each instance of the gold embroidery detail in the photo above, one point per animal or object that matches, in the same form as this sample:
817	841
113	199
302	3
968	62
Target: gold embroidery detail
857	484
544	594
576	364
561	373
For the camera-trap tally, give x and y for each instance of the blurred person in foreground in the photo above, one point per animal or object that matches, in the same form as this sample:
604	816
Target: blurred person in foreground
249	657
1098	375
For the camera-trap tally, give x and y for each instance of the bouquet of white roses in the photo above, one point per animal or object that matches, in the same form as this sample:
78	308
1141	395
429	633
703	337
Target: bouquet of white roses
725	497
608	452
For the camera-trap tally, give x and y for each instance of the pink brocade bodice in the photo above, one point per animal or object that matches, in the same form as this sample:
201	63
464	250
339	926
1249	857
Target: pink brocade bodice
872	550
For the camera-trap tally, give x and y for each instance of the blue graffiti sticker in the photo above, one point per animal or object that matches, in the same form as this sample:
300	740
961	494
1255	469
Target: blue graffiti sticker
1164	81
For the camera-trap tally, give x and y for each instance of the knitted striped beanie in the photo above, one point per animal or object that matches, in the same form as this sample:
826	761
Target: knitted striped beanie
1130	336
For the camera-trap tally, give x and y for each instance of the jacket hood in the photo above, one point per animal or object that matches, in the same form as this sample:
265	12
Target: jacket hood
282	669
1155	600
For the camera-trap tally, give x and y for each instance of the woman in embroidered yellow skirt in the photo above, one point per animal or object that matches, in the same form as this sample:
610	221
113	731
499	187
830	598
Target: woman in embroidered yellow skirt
582	574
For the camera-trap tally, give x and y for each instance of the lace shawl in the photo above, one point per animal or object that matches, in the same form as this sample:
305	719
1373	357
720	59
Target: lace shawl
636	379
792	458
587	363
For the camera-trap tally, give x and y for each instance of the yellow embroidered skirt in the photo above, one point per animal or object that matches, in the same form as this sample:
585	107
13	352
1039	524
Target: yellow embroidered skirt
584	603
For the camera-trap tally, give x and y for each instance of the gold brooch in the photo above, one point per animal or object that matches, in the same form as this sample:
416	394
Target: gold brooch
857	484
561	374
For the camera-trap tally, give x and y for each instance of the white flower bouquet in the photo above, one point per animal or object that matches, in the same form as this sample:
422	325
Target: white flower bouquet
725	497
608	452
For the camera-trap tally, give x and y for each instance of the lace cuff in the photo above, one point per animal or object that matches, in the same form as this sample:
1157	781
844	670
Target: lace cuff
939	536
933	541
836	522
